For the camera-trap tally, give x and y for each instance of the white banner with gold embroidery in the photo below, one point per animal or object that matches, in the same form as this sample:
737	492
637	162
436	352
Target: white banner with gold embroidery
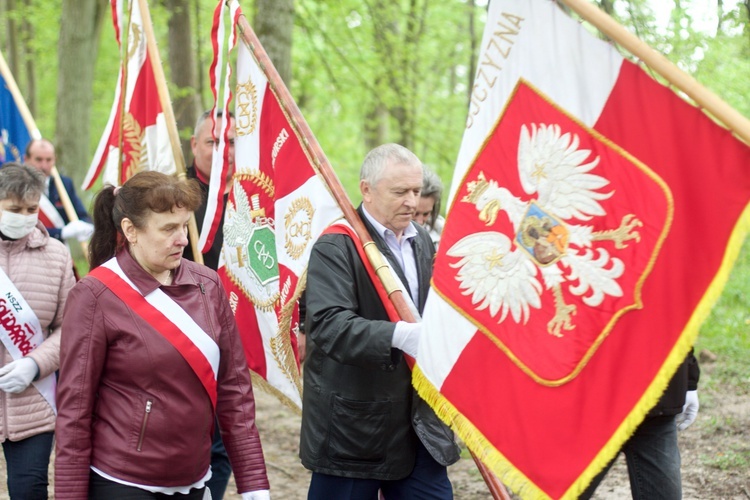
277	208
136	129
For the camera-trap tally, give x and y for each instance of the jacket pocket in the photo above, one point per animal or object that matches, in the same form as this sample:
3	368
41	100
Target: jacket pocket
357	431
144	424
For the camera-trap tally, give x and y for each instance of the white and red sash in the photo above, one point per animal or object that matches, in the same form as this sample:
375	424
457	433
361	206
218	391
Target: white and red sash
21	332
343	227
49	215
164	315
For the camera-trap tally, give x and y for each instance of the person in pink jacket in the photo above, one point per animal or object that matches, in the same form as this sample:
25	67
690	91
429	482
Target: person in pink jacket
36	274
150	354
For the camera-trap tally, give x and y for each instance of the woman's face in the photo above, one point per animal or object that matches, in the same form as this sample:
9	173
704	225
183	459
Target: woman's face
158	245
18	206
424	209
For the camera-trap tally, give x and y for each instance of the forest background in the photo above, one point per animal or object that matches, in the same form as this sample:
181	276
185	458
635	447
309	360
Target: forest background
365	72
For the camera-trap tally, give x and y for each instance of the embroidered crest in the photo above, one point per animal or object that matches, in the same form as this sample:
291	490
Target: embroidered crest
558	231
552	167
250	249
247	108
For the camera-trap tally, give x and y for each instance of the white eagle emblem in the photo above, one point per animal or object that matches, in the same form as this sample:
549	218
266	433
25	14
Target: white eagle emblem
500	272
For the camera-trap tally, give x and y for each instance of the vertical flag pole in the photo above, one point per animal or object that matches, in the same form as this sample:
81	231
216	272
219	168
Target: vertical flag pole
323	166
166	106
706	99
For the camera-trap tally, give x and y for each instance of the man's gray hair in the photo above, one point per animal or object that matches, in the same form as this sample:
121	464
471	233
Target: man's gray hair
205	116
377	159
20	182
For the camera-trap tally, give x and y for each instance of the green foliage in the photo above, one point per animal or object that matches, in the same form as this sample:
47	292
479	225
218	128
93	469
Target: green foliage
362	67
735	458
726	332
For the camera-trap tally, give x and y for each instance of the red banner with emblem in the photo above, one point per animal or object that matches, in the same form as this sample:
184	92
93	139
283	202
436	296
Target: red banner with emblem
277	208
594	219
136	136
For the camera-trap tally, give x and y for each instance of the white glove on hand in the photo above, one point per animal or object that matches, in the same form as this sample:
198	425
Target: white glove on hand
689	411
17	375
78	229
257	495
406	337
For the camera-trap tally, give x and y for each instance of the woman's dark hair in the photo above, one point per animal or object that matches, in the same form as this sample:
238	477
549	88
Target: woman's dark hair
142	194
432	187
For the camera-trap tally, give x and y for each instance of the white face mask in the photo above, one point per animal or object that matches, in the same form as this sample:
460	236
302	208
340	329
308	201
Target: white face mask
17	226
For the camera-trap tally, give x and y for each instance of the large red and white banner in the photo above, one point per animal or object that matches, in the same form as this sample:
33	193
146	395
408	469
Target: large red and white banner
277	208
136	136
594	218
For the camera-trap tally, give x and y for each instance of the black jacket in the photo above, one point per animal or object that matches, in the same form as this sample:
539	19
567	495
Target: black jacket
360	415
210	258
685	379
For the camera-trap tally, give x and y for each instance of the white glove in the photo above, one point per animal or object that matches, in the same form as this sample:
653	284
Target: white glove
17	375
406	337
689	411
257	495
78	229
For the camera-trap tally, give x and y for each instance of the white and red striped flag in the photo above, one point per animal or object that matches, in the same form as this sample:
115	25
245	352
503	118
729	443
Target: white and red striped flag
278	206
137	130
594	218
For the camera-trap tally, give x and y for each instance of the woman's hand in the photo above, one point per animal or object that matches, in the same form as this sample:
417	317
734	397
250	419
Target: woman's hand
17	375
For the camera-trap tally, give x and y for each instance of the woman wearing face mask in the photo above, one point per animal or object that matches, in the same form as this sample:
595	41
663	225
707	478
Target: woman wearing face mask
150	356
36	274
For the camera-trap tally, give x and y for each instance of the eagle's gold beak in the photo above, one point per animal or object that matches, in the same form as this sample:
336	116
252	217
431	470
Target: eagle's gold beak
488	214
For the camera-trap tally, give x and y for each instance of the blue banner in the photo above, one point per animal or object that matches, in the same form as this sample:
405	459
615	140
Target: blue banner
13	131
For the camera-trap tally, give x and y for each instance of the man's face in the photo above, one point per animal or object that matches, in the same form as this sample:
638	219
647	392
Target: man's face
392	200
203	147
41	156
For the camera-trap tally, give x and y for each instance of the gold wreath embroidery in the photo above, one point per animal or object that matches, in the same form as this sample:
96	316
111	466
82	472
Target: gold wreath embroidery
135	41
296	229
135	138
247	105
261	180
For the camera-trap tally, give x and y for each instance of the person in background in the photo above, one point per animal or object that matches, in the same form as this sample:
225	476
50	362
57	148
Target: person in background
36	274
150	358
203	145
427	214
40	154
652	453
364	428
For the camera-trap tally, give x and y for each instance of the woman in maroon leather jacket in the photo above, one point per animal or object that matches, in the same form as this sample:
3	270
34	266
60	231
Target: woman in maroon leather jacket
150	351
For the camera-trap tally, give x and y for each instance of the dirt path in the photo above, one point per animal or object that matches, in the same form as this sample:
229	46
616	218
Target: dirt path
719	438
715	455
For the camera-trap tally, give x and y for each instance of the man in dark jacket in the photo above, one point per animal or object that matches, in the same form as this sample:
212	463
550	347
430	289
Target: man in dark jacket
40	154
652	454
364	428
202	144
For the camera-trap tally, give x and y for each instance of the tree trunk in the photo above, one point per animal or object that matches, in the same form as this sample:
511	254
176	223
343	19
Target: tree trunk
80	27
273	23
29	60
11	56
183	92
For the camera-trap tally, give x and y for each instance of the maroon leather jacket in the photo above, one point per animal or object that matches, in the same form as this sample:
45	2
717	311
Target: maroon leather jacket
131	406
